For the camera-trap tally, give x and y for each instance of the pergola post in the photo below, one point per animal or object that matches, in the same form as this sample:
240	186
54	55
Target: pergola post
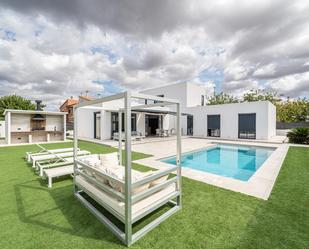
178	154
120	137
75	142
128	200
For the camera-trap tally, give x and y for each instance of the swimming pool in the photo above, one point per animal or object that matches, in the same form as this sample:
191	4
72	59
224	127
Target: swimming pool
234	161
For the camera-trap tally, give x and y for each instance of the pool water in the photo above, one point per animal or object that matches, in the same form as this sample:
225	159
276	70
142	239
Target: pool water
234	161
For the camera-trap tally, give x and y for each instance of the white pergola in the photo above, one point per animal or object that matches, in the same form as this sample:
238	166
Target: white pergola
174	199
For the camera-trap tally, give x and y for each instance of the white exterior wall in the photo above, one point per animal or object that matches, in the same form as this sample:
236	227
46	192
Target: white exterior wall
272	114
20	122
53	121
176	91
194	95
85	123
2	129
265	119
106	125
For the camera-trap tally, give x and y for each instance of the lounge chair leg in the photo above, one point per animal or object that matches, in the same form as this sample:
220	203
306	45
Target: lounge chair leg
41	171
50	182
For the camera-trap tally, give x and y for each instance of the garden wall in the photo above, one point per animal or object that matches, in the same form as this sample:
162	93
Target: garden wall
284	126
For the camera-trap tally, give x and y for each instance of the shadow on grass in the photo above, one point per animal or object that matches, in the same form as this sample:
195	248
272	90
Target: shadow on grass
50	208
61	209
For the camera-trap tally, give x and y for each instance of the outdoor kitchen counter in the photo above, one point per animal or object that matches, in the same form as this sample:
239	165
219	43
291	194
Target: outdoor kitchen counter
34	132
36	136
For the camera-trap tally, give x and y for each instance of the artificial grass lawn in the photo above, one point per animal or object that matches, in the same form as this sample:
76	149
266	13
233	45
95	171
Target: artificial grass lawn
33	216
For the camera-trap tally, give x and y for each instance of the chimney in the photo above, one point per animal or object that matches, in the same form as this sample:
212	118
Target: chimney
38	105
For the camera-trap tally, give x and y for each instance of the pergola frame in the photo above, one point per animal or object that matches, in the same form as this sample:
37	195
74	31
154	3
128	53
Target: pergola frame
128	237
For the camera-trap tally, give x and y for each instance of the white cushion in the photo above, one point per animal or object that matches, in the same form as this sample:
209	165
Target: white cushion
158	181
119	207
91	160
109	159
101	178
119	173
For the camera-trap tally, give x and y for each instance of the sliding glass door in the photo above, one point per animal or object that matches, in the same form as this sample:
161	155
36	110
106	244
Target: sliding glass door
97	125
213	125
115	122
247	126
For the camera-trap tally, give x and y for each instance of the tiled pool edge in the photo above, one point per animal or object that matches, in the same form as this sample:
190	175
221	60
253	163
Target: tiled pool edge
259	185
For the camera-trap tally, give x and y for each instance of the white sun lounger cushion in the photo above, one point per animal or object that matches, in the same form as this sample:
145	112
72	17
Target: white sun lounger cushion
119	207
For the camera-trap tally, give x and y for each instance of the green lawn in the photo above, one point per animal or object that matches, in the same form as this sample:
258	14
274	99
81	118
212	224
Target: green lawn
32	216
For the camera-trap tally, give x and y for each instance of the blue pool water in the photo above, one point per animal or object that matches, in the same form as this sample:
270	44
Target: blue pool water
238	162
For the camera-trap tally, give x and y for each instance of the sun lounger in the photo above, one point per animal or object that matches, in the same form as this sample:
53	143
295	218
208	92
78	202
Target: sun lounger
29	155
41	166
57	172
59	156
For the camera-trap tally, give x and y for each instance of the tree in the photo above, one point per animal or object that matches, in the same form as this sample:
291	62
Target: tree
15	102
261	95
293	110
222	98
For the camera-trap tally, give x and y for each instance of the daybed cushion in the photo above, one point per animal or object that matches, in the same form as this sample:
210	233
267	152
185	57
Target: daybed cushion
118	206
109	159
119	173
91	160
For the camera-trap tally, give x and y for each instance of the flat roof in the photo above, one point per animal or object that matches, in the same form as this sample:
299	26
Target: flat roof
33	112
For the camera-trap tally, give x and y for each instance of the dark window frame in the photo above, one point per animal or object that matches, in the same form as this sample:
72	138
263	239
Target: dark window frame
95	125
115	122
212	132
246	134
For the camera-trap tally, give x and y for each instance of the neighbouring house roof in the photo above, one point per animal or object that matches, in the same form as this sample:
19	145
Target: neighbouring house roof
33	112
71	102
82	98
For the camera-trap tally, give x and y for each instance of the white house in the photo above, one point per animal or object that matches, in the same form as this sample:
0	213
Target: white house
252	120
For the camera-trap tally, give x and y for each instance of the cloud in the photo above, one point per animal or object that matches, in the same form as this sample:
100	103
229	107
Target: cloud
59	48
291	86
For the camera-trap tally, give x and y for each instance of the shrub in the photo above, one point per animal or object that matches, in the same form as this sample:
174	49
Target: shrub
299	135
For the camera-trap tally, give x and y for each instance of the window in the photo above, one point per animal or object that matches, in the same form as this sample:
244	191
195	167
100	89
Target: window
115	125
247	126
213	125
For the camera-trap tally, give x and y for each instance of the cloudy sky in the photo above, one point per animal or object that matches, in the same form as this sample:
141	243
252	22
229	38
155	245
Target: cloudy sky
54	49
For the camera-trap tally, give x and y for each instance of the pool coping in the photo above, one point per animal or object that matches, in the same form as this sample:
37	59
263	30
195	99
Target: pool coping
259	185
